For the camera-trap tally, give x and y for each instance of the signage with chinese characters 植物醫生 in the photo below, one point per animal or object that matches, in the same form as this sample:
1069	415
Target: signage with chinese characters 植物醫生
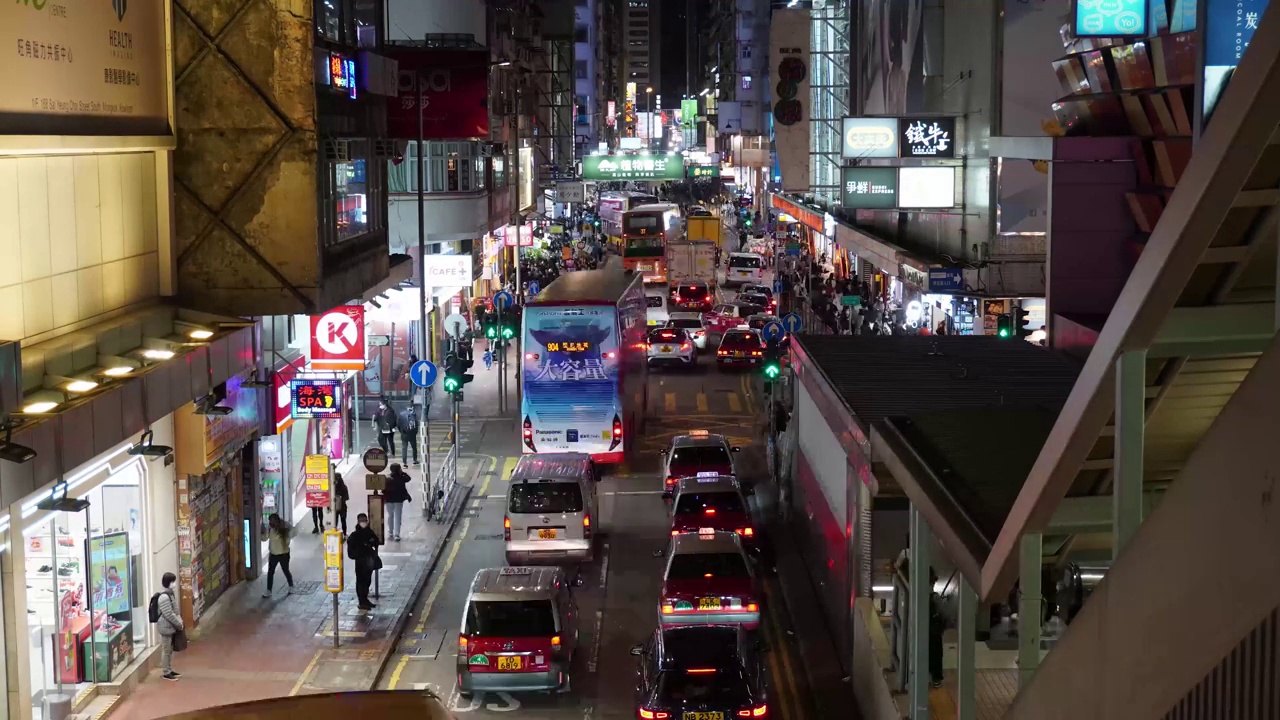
870	188
315	398
928	138
633	167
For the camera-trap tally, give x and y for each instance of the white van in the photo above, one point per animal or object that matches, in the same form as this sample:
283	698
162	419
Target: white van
551	505
744	268
656	311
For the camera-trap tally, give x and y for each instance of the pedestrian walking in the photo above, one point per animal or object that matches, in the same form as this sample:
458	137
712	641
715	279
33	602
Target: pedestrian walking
362	547
279	535
396	494
384	421
408	425
168	623
340	497
488	359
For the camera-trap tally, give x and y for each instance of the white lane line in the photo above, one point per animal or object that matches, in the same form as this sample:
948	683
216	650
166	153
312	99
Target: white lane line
594	660
604	568
632	492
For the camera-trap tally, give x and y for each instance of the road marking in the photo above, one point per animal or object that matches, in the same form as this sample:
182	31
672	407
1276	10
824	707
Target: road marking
444	572
784	660
508	467
702	402
594	660
735	405
604	568
632	492
395	674
774	671
297	687
669	401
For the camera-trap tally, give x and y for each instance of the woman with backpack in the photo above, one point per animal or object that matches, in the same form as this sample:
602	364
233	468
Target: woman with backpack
278	550
164	613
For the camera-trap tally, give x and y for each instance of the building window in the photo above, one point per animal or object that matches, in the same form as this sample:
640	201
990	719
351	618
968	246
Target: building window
581	35
451	167
351	197
746	82
746	52
580	69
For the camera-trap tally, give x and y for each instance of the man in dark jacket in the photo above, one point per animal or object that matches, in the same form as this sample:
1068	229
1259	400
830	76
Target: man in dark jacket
396	494
362	546
408	424
384	421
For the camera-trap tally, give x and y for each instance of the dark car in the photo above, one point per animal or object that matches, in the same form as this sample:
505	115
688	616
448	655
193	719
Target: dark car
760	289
700	671
760	300
696	296
741	346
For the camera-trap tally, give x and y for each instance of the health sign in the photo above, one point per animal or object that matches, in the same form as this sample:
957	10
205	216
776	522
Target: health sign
315	398
633	167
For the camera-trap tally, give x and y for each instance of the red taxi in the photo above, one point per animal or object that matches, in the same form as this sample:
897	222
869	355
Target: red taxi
704	504
698	454
709	580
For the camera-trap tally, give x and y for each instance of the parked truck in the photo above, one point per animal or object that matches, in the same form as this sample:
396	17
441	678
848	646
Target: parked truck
704	228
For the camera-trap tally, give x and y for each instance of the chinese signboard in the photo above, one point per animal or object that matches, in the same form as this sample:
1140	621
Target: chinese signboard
571	192
702	171
633	167
333	561
315	477
337	339
946	280
1229	26
928	138
870	188
611	113
1111	18
870	137
315	398
689	113
342	74
453	86
66	61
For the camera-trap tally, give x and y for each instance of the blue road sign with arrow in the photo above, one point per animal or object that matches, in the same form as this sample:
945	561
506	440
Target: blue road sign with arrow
534	287
792	323
423	373
503	300
772	330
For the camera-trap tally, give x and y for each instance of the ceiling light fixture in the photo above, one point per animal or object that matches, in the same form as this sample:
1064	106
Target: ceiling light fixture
208	405
158	354
118	371
37	408
147	449
12	451
200	334
80	386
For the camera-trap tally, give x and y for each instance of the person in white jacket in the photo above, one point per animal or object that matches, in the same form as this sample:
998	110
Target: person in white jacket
169	624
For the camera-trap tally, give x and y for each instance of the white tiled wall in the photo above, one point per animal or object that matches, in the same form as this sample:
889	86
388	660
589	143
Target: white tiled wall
77	239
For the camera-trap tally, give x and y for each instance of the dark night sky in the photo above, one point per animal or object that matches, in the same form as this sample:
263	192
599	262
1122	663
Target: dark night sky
673	27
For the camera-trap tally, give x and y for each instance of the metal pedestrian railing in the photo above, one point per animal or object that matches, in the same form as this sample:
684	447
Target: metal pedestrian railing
441	485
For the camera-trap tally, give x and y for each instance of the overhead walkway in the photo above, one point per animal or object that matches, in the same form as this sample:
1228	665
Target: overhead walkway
1181	395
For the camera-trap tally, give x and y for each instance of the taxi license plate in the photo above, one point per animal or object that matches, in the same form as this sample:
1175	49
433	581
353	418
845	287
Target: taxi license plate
703	716
665	348
547	534
737	353
512	662
744	272
708	603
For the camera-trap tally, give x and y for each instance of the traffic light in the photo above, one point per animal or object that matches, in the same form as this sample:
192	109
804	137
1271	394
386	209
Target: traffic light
1020	318
455	373
772	365
489	324
749	222
510	325
1004	326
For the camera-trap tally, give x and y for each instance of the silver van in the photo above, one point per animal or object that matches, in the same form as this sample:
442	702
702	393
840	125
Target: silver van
551	508
519	631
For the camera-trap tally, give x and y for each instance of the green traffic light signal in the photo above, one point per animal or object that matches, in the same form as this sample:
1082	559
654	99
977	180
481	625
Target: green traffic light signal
490	332
1004	333
450	384
772	370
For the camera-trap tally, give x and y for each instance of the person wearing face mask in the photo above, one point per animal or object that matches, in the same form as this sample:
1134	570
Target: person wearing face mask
362	546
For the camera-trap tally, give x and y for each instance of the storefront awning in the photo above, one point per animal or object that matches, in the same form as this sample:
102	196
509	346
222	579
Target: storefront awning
810	218
869	248
100	386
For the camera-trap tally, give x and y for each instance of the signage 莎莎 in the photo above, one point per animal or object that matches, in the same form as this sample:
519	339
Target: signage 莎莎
946	280
102	60
870	137
927	137
633	167
1111	18
447	270
927	187
337	339
869	188
342	74
454	89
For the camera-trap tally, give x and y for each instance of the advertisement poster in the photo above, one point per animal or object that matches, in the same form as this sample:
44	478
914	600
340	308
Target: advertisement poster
1229	26
69	61
109	573
315	478
271	475
571	377
454	92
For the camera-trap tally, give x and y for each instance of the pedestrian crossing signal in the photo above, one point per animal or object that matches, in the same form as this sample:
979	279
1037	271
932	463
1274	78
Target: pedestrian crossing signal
1004	326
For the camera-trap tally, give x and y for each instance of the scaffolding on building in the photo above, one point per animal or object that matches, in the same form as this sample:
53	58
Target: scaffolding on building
829	93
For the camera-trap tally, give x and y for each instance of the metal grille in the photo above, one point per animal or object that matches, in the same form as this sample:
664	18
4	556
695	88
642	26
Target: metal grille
1245	685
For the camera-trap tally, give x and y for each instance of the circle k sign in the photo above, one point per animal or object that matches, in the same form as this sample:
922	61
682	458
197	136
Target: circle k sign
337	339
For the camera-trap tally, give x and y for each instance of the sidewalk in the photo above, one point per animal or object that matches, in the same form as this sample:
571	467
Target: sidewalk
480	396
254	648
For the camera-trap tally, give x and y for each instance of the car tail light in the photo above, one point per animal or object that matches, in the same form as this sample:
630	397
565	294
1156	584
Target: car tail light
722	353
647	714
531	356
645	346
586	527
671	480
462	644
753	607
709	511
760	710
708	299
700	671
555	641
617	432
527	433
668	608
506	528
746	532
684	346
675	533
